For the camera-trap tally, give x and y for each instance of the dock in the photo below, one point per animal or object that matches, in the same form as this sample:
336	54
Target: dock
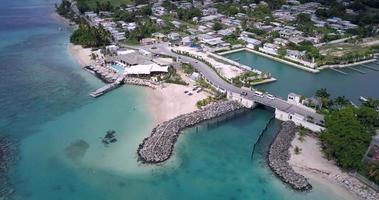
357	70
369	67
337	70
107	88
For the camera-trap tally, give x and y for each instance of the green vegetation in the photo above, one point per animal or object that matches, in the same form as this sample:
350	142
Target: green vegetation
188	69
173	77
232	39
144	29
100	5
247	79
210	99
305	24
229	9
64	9
88	36
282	52
348	134
188	14
217	26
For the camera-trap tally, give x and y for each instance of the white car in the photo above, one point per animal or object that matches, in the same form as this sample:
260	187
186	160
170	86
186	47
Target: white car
258	93
270	96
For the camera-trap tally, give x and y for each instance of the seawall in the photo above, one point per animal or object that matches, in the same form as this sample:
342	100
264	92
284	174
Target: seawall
279	155
158	147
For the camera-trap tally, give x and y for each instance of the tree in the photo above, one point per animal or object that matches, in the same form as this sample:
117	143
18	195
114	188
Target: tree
282	52
373	171
297	150
345	138
322	93
217	26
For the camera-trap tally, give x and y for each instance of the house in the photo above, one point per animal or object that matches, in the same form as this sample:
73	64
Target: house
251	42
148	41
270	48
281	41
159	36
173	36
145	69
295	54
186	41
111	48
225	32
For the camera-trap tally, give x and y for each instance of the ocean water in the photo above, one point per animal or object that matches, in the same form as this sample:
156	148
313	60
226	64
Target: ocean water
45	105
290	79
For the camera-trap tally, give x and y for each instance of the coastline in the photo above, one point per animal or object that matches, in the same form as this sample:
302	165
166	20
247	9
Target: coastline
169	101
80	54
273	58
312	164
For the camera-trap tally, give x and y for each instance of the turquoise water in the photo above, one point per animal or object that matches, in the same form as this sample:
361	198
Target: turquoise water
291	79
120	69
46	106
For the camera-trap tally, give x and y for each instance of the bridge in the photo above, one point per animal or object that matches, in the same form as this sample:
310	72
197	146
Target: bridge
284	110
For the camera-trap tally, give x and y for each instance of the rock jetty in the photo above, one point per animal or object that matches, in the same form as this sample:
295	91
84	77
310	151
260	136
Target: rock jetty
139	82
279	155
8	152
159	145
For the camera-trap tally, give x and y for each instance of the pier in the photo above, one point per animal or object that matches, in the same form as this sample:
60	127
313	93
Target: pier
337	70
159	146
108	87
369	67
357	70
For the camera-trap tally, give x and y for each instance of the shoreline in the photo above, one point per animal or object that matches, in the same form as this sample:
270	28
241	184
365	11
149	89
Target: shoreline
81	55
319	69
312	164
272	58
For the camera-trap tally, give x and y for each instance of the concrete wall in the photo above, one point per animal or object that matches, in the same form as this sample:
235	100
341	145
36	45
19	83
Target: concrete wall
237	97
298	119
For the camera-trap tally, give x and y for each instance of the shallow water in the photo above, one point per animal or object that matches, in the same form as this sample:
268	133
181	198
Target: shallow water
46	106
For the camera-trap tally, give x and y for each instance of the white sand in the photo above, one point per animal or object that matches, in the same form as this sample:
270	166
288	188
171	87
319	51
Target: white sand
80	54
170	101
312	164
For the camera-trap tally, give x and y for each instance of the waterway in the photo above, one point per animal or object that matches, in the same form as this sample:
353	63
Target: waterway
45	105
291	79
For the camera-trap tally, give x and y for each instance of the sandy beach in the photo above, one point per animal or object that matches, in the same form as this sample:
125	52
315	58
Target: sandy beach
169	101
80	54
312	164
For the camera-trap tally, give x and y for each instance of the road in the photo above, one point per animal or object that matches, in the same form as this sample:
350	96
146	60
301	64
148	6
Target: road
213	77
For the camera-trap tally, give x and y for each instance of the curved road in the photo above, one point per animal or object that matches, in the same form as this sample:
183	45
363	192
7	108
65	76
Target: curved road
213	77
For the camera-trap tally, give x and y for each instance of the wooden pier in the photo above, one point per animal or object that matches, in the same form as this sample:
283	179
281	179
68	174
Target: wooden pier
337	70
357	70
108	87
369	67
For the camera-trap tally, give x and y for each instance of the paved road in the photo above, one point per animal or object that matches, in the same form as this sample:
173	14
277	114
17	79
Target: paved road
212	76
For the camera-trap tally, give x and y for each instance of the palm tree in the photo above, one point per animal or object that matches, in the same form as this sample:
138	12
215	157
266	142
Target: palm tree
297	150
373	171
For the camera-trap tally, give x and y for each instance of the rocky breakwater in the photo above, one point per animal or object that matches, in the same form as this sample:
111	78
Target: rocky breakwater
8	152
158	147
279	155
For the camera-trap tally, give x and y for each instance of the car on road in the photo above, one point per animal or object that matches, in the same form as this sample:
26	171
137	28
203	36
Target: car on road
185	92
243	93
258	93
270	96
